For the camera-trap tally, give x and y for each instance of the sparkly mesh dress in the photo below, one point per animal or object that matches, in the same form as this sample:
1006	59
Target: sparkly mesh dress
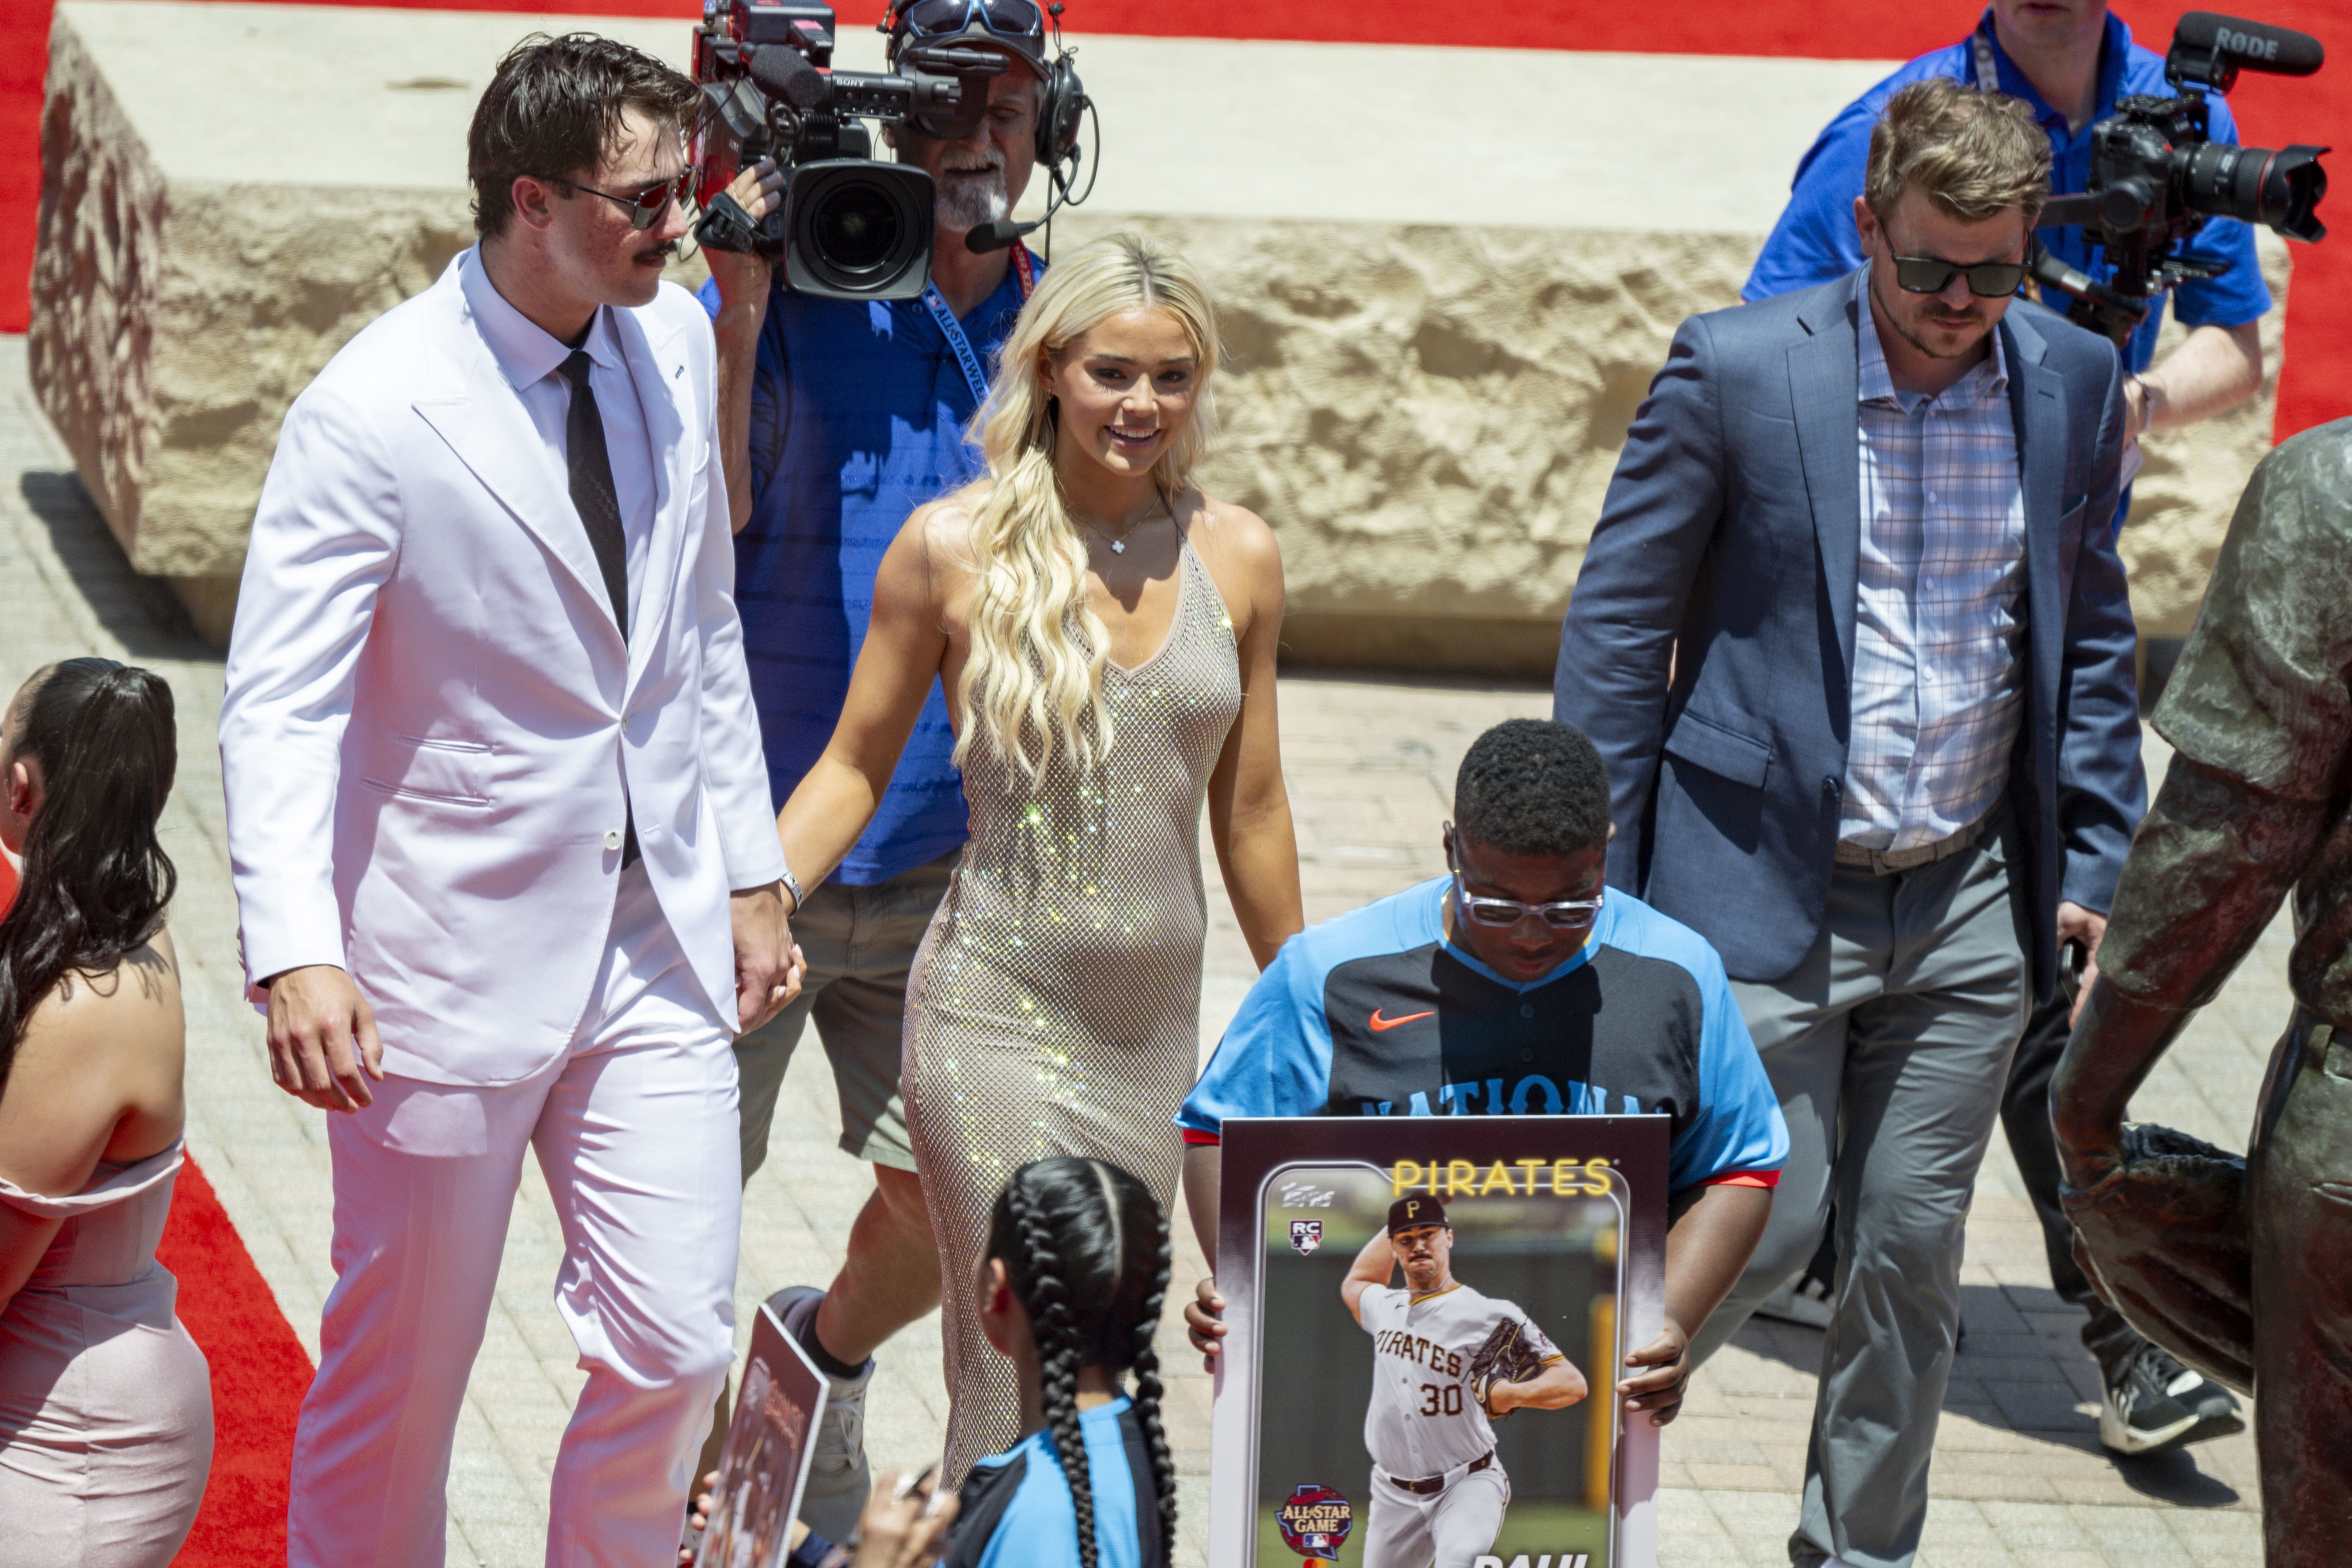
1054	1005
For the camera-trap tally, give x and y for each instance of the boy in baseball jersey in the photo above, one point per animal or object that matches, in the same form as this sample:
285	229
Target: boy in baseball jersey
1516	985
1446	1361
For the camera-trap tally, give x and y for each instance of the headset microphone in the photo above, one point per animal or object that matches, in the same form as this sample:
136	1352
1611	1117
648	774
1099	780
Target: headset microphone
987	236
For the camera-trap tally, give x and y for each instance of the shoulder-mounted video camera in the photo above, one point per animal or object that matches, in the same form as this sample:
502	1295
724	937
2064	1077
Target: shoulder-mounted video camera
2156	176
851	227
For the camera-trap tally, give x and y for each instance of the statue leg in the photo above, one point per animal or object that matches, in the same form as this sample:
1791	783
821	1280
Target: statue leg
2300	1190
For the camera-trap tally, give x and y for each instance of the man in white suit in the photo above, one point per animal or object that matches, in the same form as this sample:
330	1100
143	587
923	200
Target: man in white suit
499	819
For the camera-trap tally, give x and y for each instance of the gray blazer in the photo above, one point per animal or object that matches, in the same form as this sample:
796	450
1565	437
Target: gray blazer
1726	553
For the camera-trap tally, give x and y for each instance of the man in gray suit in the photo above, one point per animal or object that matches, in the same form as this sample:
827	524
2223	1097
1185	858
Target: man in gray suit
1854	642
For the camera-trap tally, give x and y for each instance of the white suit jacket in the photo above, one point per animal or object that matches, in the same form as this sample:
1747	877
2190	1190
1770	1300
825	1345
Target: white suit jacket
433	735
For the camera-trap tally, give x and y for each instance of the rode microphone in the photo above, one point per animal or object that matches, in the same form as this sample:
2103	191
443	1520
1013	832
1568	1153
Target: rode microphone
784	72
2209	49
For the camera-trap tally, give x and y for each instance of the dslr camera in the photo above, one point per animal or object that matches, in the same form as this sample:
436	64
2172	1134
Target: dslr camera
849	226
2156	176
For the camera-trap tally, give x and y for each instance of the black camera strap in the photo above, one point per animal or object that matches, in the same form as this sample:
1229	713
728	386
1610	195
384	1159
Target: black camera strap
952	330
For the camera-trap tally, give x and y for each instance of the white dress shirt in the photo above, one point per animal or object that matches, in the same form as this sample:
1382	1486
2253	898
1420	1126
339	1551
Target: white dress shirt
1939	622
533	363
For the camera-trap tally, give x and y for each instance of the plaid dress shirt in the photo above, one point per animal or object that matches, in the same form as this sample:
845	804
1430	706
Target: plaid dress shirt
1939	622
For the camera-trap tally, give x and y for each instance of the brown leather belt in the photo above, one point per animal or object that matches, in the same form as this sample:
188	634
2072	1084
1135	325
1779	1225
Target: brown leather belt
1437	1483
1883	862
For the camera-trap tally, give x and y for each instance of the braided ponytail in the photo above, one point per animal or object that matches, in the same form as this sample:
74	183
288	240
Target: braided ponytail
1086	1247
1142	1327
1045	1292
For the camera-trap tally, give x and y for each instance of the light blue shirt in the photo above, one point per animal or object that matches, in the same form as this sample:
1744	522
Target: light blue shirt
1939	613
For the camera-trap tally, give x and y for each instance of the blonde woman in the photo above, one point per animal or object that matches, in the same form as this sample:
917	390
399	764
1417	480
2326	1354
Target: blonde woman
1107	635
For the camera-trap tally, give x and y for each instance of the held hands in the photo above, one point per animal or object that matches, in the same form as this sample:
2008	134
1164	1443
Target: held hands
316	1017
768	965
1659	1390
1205	1324
905	1524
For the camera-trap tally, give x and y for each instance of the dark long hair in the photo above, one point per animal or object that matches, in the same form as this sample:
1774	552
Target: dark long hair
1086	1248
95	879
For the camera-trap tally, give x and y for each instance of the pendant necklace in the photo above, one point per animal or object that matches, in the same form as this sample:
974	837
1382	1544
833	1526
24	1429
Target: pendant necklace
1119	544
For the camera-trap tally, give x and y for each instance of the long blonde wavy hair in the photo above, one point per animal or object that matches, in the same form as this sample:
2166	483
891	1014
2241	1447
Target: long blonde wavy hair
1032	682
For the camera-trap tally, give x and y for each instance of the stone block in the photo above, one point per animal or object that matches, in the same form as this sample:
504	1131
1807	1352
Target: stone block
1436	341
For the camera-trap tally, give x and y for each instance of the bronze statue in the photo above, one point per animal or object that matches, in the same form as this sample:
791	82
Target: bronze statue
2243	1268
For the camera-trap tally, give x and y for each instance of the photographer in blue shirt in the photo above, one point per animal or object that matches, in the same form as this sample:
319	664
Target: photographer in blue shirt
2070	61
838	419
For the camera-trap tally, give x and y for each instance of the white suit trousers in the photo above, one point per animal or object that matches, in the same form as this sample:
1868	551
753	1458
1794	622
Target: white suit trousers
635	1131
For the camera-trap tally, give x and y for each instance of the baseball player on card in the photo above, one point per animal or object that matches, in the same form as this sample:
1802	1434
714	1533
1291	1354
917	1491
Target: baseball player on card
1447	1362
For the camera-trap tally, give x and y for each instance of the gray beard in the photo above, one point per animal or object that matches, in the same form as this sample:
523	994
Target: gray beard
968	200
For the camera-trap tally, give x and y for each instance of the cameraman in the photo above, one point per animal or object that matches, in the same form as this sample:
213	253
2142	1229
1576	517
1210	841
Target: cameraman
838	419
2070	60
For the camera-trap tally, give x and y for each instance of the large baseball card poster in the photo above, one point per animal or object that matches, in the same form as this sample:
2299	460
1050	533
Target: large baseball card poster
1427	1315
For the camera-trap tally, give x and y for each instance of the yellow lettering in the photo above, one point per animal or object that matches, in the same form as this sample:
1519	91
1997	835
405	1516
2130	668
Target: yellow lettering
1561	1170
1596	1177
1530	1166
1461	1179
1403	1177
1500	1176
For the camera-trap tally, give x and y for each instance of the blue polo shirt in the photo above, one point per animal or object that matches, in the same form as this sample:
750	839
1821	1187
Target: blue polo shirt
858	410
1378	1014
1815	240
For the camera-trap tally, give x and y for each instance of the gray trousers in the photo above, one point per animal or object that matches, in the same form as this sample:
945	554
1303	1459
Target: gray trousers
1888	1047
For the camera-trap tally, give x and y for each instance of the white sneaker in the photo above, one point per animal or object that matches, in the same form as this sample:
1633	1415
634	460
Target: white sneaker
839	1478
1804	1301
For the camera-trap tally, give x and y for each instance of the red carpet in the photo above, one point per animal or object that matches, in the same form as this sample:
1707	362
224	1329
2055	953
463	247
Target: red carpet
259	1375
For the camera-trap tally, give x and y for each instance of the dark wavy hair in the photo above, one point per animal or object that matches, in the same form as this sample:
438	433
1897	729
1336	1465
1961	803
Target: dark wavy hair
95	879
1086	1248
554	110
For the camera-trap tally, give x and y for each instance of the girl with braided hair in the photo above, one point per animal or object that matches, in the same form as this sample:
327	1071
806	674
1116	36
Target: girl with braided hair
1069	1291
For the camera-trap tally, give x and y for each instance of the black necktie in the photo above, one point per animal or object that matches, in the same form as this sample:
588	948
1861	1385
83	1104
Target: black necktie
600	511
591	486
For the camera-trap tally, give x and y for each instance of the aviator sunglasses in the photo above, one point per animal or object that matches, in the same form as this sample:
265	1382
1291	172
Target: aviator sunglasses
645	207
1566	914
1929	275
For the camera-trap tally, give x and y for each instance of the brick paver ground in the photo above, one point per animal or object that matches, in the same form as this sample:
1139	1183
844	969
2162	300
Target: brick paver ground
2019	1477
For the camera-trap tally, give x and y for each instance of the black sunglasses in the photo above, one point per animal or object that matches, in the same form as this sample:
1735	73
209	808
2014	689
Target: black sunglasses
1929	275
645	207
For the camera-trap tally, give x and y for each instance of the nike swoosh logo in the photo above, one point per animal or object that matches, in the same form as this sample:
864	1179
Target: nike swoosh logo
1380	1024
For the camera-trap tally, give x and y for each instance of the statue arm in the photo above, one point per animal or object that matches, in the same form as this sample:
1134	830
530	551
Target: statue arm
2206	873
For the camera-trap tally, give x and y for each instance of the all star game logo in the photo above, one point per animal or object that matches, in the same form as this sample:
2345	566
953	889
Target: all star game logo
1317	1520
1305	1236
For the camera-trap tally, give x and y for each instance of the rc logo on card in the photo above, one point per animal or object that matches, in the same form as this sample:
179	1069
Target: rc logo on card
1315	1521
1306	1235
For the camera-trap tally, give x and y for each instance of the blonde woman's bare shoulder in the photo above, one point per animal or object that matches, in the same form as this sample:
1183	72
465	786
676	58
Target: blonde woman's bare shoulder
944	526
1234	532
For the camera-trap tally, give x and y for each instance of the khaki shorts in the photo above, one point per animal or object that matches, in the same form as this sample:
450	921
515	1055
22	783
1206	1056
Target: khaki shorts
860	943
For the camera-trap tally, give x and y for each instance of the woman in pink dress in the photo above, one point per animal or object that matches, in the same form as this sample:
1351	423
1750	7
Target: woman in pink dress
105	1416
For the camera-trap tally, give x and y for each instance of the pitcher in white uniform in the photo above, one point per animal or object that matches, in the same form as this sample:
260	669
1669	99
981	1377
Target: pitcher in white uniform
1438	1491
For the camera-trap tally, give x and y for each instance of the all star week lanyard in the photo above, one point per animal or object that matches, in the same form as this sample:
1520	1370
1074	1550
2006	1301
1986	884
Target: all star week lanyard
952	330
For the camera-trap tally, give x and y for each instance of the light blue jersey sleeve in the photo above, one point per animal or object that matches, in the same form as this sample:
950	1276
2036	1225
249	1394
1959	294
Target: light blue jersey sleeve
1739	1127
1276	1056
